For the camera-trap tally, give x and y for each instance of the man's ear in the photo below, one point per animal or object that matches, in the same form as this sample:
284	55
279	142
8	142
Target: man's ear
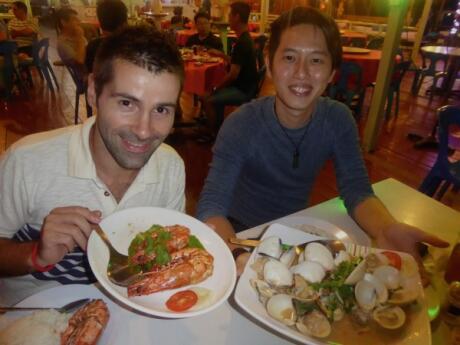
91	93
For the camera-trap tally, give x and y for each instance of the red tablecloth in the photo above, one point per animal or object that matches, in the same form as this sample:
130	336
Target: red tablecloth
200	80
369	63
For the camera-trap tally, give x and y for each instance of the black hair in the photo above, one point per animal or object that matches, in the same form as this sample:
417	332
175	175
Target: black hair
242	9
64	14
20	5
307	15
112	14
201	15
141	45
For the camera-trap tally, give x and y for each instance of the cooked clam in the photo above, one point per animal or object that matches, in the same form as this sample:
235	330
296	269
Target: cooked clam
264	290
281	308
315	324
392	317
319	253
311	271
288	257
380	288
365	295
277	274
388	275
270	246
357	274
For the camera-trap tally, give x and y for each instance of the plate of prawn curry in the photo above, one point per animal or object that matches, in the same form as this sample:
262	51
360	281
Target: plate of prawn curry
186	268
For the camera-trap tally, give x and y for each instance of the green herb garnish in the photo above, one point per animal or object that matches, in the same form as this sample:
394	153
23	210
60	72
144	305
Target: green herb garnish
194	242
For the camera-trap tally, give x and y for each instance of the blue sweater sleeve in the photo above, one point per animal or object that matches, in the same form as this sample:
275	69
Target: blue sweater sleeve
352	178
230	151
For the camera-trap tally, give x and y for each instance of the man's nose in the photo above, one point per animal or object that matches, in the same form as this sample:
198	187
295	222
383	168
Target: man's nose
143	127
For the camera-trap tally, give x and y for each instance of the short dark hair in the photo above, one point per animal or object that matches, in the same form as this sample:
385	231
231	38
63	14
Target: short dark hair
201	15
307	15
20	5
64	14
242	9
112	14
142	45
177	10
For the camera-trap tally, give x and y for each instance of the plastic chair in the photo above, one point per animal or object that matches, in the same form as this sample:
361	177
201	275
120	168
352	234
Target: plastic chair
348	88
11	75
444	173
80	88
394	88
357	42
428	69
41	62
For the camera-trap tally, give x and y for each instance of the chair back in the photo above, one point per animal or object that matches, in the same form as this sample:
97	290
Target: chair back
260	78
448	115
399	72
430	60
357	42
350	74
77	76
375	43
40	51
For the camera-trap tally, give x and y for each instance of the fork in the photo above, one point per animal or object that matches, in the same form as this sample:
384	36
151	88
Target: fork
334	246
69	307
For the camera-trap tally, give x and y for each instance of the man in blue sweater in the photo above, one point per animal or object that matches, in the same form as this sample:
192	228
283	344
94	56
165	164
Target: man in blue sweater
269	152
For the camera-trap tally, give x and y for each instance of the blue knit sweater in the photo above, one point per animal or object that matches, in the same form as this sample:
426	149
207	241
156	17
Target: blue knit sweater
252	178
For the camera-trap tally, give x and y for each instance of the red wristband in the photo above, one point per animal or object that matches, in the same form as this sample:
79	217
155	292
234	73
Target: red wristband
35	264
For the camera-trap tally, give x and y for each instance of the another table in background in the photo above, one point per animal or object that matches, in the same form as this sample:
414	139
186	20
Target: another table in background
369	62
348	37
200	78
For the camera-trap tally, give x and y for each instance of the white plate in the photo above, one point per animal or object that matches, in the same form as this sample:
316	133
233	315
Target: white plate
121	227
246	296
317	227
355	50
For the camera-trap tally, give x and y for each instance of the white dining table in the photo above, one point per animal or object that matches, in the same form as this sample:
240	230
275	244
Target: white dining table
228	324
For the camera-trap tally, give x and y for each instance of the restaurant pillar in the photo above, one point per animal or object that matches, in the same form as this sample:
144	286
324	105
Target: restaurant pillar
264	9
421	28
396	17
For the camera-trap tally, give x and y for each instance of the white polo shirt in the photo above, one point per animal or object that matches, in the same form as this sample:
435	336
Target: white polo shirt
55	169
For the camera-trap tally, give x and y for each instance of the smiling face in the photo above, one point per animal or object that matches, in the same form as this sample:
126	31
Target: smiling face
203	26
135	113
300	70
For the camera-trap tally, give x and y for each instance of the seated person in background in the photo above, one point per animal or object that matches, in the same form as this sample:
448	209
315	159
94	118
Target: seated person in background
240	83
112	15
71	41
269	152
22	29
55	186
204	37
178	21
3	31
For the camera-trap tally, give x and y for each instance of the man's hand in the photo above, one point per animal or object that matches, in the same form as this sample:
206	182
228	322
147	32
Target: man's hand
407	238
64	229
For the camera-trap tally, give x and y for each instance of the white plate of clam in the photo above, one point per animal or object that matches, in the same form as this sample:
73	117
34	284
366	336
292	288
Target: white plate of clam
355	296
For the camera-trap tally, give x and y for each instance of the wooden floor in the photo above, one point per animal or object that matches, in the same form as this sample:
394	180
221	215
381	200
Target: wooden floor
395	155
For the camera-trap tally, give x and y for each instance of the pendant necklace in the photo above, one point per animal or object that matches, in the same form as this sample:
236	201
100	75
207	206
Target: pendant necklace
296	146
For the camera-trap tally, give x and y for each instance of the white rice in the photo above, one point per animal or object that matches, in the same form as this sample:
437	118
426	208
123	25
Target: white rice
43	327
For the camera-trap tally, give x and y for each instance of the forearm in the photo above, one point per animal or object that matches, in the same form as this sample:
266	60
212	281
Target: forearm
223	228
373	217
15	258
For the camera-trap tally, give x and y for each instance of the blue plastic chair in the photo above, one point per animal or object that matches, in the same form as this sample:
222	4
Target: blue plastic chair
80	88
428	69
348	88
40	61
394	87
444	173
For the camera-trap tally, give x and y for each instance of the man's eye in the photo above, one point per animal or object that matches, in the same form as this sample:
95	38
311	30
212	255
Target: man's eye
162	110
288	58
125	103
317	60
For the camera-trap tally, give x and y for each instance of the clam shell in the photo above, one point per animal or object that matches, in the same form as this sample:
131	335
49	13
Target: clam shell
270	246
392	317
319	253
315	324
365	295
404	296
311	271
277	274
341	256
380	288
288	257
388	275
281	308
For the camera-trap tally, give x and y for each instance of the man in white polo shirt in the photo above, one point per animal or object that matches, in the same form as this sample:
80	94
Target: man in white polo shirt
55	186
22	29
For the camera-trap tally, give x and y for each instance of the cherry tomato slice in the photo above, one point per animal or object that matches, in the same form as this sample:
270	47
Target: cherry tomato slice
182	300
393	259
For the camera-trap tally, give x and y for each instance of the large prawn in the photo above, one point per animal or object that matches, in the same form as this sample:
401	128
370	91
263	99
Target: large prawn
87	324
187	266
179	239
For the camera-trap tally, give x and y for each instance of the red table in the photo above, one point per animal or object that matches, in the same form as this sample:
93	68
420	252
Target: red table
200	79
369	62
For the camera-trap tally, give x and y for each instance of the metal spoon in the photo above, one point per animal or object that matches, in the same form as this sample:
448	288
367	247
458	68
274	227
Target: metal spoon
334	246
69	307
118	270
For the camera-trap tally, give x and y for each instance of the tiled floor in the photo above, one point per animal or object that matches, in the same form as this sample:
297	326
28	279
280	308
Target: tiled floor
395	156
